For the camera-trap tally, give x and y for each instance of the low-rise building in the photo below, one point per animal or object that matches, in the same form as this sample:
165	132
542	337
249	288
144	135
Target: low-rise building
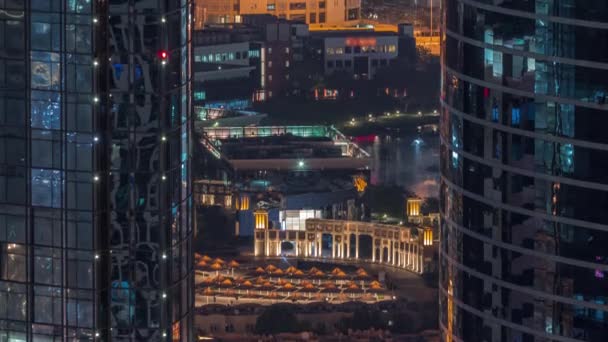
295	172
316	12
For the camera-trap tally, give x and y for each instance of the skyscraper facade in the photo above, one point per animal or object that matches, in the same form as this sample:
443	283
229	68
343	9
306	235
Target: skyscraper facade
95	194
524	171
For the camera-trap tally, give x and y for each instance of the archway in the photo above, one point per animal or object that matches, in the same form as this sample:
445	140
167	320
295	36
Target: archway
327	241
365	247
384	254
288	248
352	250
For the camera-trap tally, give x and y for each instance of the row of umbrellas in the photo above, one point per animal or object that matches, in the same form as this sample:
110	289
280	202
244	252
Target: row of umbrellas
311	273
293	295
262	284
205	262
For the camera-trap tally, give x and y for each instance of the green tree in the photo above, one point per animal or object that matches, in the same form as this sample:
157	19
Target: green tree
277	319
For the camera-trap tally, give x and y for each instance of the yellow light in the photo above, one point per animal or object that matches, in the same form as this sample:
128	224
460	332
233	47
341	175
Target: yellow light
428	237
261	219
360	183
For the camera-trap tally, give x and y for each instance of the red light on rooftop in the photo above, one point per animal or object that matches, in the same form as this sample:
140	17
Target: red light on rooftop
162	54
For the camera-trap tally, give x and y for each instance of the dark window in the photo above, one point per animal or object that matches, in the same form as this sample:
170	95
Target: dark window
357	49
313	18
297	6
321	4
321	18
348	63
339	64
348	49
374	62
330	64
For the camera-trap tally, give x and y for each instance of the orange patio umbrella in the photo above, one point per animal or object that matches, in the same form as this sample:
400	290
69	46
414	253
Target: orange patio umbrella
201	263
336	271
197	256
233	264
219	261
260	270
271	268
313	270
278	272
307	285
208	292
216	266
206	258
208	280
260	281
329	285
341	274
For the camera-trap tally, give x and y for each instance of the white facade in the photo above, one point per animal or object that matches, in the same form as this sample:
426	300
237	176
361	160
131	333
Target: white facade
296	219
359	55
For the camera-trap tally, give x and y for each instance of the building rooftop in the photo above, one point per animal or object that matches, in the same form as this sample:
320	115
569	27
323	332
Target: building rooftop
286	148
352	33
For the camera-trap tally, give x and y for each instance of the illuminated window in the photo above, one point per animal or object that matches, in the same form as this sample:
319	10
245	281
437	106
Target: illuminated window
339	51
495	114
428	237
208	199
199	95
515	116
228	201
330	51
287	64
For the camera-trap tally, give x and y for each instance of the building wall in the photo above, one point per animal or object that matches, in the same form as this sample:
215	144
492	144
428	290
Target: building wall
523	171
321	12
359	56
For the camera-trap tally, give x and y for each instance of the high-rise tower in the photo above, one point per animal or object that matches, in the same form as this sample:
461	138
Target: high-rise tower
524	151
95	193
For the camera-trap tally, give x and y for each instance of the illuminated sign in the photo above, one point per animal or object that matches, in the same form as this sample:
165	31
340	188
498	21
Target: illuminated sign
353	41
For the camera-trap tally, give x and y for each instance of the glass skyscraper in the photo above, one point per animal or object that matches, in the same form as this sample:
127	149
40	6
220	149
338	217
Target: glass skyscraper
95	197
524	169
